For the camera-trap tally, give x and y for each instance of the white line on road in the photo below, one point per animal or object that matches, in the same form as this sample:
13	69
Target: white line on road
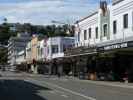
59	91
70	91
65	96
64	89
53	92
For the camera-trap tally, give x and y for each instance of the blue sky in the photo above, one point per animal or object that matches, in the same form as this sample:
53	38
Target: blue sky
42	12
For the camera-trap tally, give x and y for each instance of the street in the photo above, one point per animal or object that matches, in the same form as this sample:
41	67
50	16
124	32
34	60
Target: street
22	86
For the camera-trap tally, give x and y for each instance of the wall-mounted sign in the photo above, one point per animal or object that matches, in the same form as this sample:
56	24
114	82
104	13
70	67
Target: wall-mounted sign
113	46
116	46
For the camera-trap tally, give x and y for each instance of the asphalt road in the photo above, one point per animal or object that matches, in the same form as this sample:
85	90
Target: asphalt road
37	87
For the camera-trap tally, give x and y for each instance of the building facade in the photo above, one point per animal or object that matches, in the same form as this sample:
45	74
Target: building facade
110	31
51	49
15	46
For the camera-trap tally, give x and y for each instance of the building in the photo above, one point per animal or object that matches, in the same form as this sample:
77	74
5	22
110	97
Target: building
104	41
118	50
28	52
15	46
57	46
21	57
94	28
32	53
51	49
90	31
21	61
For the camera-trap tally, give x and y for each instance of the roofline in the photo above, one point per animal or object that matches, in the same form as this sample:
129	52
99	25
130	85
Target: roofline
114	3
86	17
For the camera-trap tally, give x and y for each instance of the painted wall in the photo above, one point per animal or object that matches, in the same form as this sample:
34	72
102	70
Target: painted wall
118	11
59	42
28	52
34	43
90	22
115	12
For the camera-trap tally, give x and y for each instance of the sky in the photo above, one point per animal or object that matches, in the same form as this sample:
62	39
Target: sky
42	12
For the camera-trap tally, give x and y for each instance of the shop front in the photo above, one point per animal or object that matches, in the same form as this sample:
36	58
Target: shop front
79	61
114	62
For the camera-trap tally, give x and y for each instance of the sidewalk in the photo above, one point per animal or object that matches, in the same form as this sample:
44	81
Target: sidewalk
109	83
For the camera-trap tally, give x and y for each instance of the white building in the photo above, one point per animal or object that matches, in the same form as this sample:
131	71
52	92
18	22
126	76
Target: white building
85	30
16	45
21	57
28	52
110	24
122	19
54	47
110	30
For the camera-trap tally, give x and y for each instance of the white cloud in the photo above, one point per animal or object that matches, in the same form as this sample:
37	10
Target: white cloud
43	11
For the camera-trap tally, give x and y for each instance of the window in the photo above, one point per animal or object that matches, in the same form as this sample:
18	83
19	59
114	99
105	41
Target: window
89	32
125	21
132	21
85	35
105	27
114	27
96	31
41	52
64	48
78	36
54	48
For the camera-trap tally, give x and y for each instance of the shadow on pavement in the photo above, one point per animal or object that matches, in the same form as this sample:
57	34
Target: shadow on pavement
20	90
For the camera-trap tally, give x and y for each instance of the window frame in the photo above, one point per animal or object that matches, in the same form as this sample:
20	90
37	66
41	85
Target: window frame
105	32
85	34
125	21
78	36
90	32
114	27
96	32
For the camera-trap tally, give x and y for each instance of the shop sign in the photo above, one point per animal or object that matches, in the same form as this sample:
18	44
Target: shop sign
116	46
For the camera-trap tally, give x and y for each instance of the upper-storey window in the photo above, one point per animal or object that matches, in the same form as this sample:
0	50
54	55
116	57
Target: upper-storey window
78	36
125	21
85	34
105	29
96	31
115	27
55	49
89	33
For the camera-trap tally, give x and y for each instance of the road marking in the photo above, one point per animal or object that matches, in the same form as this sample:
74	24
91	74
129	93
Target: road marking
70	91
65	96
59	92
53	92
67	90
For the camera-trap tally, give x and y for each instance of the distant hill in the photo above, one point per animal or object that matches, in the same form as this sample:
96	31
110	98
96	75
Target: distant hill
11	29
